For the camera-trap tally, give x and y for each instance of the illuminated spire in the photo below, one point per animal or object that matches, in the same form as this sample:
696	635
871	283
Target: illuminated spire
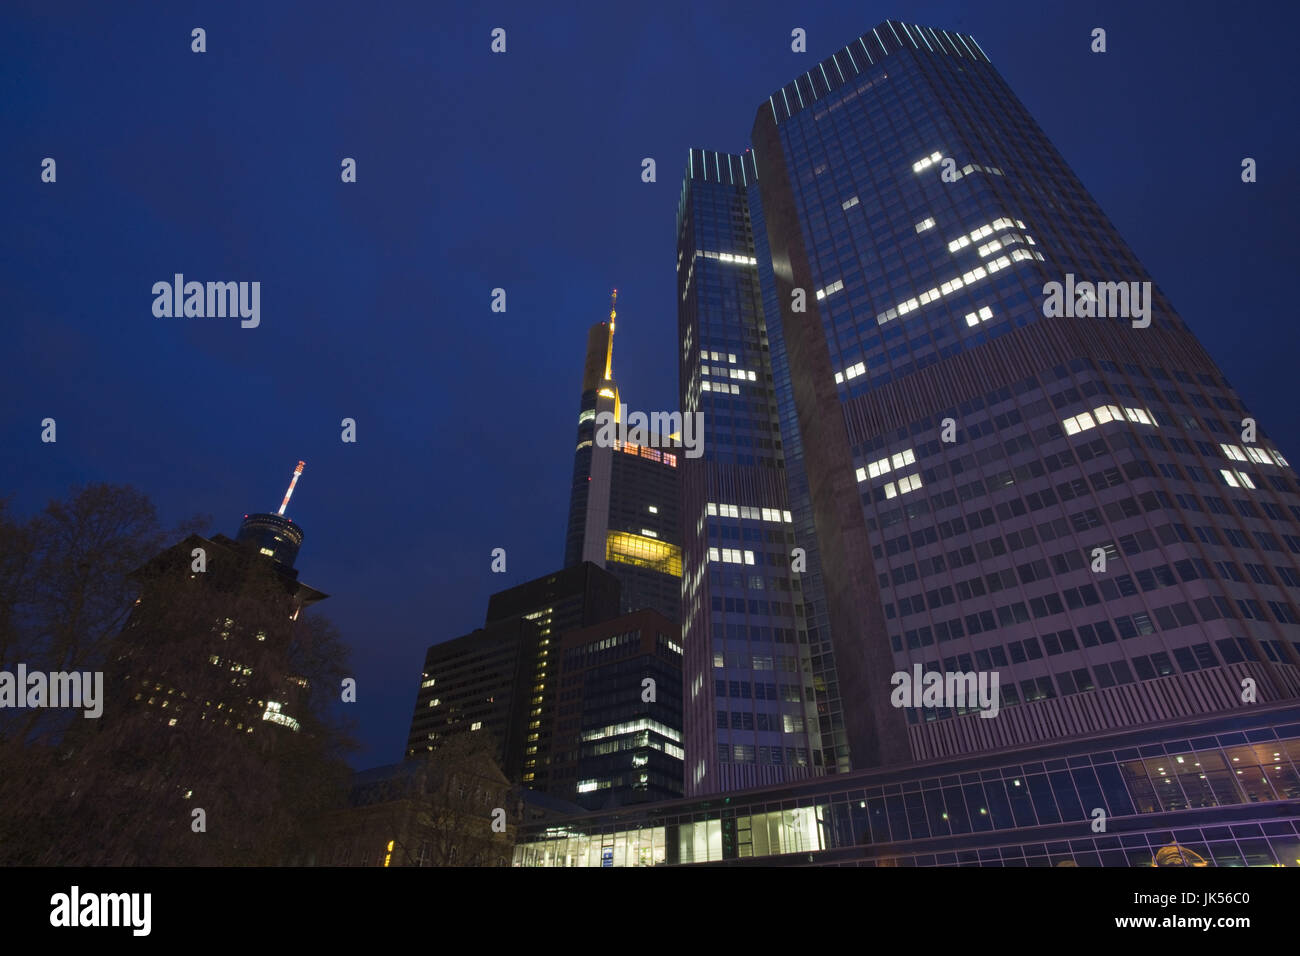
293	481
609	352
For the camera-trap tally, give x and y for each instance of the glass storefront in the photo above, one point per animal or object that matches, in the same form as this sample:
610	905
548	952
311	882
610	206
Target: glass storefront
1204	783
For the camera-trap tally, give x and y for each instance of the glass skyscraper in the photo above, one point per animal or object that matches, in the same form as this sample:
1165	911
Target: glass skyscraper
983	476
618	719
746	665
623	500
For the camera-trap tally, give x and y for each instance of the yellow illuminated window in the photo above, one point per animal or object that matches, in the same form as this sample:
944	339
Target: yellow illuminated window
644	552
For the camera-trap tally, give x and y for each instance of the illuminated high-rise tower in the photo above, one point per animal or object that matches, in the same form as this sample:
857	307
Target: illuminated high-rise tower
274	535
589	496
623	508
209	638
1004	450
749	697
1003	453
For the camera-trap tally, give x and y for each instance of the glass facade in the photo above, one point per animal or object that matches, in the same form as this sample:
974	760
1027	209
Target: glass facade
272	535
643	540
822	686
1218	792
747	667
618	723
624	498
1078	502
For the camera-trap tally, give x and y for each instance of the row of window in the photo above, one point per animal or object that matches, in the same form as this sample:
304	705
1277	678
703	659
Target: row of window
745	690
967	408
775	756
1120	585
1169	617
1111	587
758	662
1082	679
748	720
1074	559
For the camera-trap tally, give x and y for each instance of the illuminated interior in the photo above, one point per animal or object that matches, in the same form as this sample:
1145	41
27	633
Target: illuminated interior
640	551
799	830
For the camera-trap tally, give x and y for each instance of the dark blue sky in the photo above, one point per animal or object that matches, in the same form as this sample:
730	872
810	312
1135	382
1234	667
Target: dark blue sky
520	171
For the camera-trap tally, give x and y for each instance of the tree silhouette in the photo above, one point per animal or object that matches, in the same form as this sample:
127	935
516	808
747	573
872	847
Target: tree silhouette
217	696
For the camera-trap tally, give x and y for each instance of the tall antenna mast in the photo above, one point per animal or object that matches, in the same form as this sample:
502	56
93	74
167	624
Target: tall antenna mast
609	352
293	481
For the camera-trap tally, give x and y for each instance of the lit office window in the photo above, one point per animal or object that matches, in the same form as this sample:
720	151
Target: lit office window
926	162
902	486
835	286
877	468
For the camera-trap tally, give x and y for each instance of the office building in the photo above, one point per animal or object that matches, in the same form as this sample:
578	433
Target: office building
623	507
618	719
1005	451
478	683
209	636
501	679
750	704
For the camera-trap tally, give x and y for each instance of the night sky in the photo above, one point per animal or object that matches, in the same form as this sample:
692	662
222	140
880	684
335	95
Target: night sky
519	171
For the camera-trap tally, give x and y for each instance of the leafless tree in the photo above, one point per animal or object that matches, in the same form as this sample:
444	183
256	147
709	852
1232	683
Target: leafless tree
191	670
